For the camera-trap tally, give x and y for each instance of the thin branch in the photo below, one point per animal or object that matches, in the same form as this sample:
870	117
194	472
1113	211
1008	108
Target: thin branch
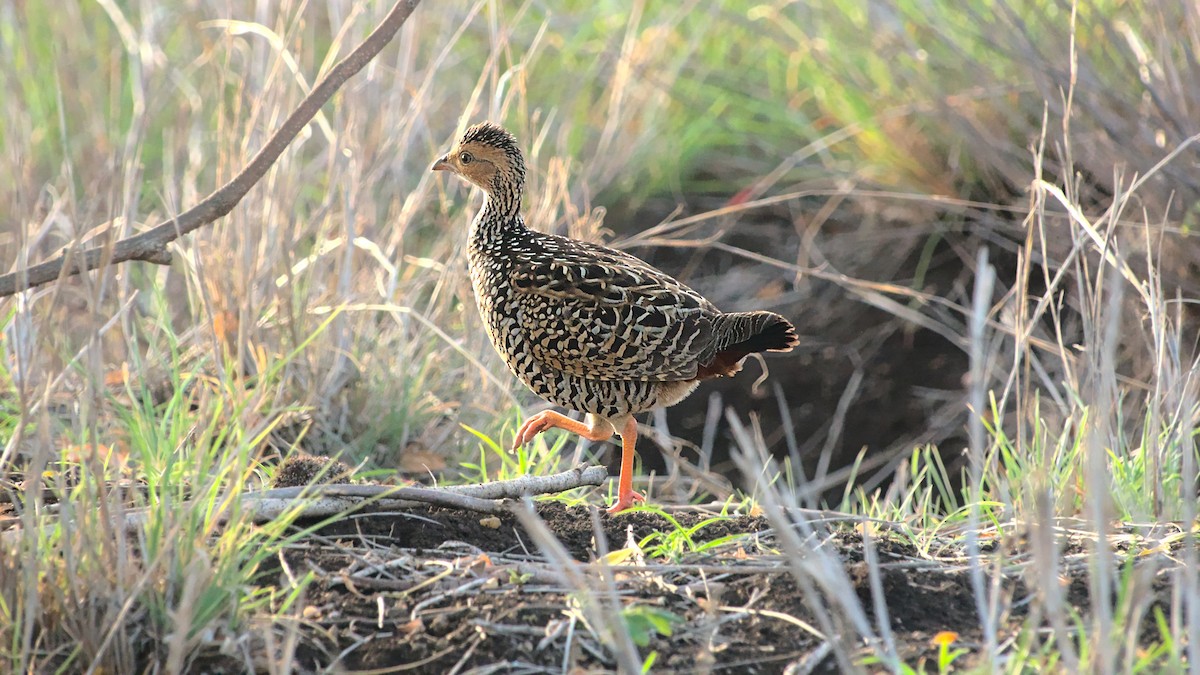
151	245
325	500
329	499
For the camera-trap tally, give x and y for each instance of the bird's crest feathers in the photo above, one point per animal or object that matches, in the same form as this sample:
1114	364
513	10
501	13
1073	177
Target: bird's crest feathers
492	135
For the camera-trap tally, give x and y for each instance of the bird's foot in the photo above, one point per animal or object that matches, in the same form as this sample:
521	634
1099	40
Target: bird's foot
625	501
596	430
532	427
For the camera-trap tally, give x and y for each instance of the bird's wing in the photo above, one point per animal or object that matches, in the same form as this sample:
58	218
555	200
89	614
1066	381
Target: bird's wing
605	315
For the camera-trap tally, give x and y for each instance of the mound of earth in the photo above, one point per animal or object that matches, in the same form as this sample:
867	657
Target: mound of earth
433	590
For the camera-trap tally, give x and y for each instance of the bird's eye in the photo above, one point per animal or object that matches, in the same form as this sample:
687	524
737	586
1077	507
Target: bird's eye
465	158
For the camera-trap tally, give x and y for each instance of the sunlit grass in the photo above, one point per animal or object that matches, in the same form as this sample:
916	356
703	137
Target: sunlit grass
140	542
677	540
336	290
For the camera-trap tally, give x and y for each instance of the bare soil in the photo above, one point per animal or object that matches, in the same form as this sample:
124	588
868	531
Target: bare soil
440	591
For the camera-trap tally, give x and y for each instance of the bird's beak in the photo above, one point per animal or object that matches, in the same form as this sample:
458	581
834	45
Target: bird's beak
442	164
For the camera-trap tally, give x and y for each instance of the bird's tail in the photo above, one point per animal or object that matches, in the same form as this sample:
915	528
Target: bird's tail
743	333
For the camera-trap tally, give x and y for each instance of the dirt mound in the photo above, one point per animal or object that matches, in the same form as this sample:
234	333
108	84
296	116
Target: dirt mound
439	591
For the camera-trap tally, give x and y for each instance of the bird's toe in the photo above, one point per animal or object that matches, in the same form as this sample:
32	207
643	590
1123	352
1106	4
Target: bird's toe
625	501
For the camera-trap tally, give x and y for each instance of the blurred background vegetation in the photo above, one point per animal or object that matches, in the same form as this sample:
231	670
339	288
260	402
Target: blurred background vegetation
887	141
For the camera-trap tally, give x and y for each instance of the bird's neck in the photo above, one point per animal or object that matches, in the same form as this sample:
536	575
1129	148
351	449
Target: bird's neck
501	214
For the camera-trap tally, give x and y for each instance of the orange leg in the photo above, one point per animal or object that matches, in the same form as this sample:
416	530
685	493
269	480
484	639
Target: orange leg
625	494
599	430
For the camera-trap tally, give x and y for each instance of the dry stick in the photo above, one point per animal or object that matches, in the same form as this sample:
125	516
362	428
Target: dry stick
151	245
325	500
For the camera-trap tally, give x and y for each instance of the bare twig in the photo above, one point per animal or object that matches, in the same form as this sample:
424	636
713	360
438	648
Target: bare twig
326	500
151	245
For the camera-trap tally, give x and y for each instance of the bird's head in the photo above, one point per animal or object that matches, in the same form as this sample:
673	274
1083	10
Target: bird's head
488	156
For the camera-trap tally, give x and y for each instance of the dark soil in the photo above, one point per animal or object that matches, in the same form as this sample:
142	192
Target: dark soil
437	591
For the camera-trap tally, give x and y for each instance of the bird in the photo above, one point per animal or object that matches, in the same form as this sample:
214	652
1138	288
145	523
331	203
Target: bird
590	328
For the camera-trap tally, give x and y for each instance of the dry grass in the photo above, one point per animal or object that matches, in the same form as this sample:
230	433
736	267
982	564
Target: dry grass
330	310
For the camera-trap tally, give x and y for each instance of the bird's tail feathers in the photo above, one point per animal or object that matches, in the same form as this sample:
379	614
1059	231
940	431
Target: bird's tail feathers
743	333
760	332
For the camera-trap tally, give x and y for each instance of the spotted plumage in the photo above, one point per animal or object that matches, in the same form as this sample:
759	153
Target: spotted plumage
587	327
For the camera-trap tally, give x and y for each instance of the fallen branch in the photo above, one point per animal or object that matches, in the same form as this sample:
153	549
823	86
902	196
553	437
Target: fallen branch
326	500
151	245
315	501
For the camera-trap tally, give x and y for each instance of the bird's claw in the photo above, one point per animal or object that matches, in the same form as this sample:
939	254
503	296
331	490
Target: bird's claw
531	428
625	501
